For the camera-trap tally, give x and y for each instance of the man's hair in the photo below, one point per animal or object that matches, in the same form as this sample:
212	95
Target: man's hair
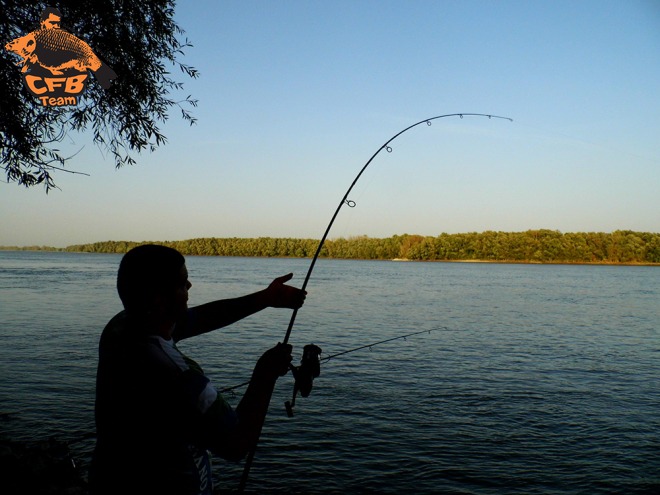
45	14
146	271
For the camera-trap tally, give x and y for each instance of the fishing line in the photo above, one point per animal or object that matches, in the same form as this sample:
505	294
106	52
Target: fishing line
347	201
546	134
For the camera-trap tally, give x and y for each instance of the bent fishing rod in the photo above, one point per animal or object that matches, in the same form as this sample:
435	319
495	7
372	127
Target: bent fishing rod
345	201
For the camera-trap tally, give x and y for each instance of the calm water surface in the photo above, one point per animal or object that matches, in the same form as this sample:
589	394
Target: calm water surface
534	379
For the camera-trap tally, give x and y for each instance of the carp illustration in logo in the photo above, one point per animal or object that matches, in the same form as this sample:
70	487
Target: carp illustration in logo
52	51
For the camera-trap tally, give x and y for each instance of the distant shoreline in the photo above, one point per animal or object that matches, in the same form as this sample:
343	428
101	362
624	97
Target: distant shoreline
393	260
621	247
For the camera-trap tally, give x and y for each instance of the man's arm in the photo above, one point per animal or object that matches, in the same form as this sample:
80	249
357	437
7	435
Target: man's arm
218	314
252	409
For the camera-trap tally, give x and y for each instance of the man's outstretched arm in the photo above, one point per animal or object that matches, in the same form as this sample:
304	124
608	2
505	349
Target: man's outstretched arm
218	314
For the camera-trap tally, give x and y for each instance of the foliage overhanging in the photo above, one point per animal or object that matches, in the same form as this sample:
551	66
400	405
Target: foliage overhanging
139	40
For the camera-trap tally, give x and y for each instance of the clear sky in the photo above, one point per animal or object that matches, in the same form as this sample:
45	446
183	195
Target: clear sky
295	96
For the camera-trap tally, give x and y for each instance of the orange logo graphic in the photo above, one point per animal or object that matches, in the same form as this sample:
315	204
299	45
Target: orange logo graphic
55	63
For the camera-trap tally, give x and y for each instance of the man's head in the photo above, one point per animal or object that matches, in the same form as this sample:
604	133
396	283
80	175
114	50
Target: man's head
51	18
150	275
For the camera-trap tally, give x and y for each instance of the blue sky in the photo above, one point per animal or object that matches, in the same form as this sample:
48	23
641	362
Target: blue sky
295	96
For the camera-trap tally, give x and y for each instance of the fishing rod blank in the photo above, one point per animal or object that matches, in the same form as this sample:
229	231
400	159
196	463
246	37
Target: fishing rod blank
369	346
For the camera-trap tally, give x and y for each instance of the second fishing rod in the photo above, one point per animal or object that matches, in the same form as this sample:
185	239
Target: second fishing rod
325	359
312	354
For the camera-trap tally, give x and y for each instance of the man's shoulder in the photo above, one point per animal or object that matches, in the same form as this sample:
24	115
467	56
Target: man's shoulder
119	319
125	341
116	327
121	332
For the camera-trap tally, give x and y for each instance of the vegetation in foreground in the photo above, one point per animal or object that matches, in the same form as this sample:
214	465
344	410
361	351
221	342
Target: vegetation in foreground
532	246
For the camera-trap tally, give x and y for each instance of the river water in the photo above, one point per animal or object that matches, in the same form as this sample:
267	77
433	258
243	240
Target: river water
532	379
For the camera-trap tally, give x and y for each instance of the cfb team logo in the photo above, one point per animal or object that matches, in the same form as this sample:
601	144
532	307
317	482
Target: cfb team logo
55	63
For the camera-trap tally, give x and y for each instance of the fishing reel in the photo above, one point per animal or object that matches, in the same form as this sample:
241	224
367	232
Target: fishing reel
310	368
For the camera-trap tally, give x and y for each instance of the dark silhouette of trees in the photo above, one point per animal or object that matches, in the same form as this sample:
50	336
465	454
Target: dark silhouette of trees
532	246
139	40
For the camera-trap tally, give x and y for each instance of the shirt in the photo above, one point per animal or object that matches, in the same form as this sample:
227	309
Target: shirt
157	414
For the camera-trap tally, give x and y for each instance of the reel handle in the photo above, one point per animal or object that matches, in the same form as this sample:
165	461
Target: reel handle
310	368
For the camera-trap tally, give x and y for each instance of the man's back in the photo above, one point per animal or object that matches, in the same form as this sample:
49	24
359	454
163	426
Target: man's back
144	416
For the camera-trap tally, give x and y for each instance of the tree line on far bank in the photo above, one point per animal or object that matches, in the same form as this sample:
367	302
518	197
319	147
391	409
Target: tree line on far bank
532	246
